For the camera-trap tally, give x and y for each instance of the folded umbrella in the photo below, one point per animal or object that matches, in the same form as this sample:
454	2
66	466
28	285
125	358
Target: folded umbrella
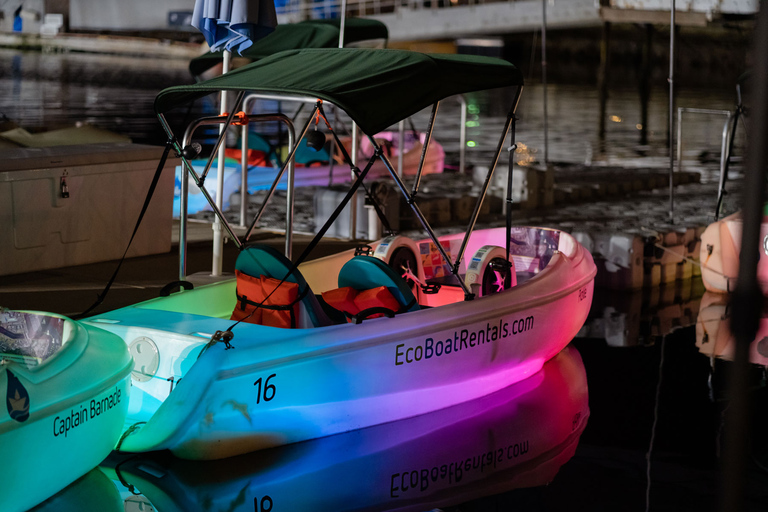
234	25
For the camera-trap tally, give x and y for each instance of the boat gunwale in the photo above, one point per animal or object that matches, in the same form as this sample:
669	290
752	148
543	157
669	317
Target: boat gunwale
363	341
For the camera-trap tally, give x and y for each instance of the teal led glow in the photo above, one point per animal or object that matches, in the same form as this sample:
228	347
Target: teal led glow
71	408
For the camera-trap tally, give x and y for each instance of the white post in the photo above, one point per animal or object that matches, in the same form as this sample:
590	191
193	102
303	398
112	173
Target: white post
218	239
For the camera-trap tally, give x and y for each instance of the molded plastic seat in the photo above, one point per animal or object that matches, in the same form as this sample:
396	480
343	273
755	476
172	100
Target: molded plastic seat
367	272
262	260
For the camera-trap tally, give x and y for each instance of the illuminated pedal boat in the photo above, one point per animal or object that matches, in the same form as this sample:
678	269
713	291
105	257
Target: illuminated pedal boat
66	390
515	438
473	312
279	386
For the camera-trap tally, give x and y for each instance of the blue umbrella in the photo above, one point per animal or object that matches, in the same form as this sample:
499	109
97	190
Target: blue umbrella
234	25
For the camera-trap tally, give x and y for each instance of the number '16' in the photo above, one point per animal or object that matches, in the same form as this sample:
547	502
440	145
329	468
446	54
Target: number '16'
269	389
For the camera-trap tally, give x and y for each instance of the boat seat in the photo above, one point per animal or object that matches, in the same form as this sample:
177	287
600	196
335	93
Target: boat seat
489	271
262	261
377	282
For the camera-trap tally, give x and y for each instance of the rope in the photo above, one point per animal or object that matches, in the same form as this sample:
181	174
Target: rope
130	430
691	260
150	192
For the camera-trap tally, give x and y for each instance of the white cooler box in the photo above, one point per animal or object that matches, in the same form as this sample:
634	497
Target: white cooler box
70	205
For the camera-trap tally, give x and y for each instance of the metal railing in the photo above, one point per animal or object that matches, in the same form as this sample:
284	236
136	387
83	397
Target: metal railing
298	10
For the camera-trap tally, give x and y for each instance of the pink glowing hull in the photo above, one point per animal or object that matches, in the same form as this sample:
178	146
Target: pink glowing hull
720	248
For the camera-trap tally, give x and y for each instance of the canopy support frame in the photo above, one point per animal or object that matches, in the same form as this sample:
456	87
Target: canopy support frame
213	120
424	148
411	199
222	136
288	164
198	179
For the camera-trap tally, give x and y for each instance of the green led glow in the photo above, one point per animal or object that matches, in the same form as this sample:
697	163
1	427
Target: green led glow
471	144
473	109
473	124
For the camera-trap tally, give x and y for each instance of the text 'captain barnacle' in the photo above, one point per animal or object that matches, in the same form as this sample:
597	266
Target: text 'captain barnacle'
464	339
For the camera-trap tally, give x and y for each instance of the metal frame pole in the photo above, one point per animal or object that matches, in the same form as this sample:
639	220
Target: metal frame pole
243	174
218	240
486	184
287	164
544	76
671	112
183	220
427	138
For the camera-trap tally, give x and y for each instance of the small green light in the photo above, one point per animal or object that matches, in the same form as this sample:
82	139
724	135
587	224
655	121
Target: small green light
471	144
473	124
473	109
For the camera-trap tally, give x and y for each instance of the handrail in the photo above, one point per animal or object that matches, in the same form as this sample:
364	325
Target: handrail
297	10
218	120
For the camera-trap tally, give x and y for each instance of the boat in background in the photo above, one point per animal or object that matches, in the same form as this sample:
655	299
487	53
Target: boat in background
313	33
720	249
316	174
66	387
517	437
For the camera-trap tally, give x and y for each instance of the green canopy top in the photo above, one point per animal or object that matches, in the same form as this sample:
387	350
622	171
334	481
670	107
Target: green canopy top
375	87
307	34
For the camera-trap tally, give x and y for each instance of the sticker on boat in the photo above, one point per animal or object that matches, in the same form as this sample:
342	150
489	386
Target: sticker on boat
16	398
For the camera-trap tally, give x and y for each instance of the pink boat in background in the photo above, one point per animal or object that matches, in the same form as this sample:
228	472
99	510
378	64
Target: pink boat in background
720	249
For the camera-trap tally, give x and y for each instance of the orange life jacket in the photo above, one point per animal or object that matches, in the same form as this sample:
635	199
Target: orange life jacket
253	156
351	302
379	297
342	299
282	304
265	301
249	294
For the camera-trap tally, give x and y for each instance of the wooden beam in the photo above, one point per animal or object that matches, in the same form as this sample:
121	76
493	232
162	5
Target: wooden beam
682	18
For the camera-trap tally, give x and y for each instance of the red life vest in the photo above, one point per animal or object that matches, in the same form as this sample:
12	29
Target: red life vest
342	299
351	302
379	297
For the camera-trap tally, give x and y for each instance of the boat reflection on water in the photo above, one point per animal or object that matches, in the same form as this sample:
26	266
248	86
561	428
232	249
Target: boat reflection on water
514	438
628	318
713	331
93	491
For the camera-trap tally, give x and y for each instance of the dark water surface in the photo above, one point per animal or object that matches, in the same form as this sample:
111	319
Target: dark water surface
651	439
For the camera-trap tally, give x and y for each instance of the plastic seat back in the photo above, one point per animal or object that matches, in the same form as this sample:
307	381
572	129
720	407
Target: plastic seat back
367	272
